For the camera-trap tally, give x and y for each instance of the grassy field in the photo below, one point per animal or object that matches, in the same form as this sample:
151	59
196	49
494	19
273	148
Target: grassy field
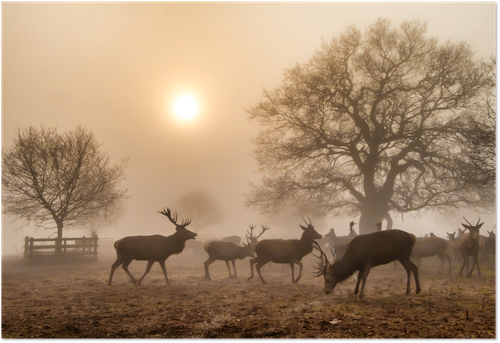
73	300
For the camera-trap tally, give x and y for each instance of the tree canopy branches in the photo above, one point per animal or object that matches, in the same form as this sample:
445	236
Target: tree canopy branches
372	124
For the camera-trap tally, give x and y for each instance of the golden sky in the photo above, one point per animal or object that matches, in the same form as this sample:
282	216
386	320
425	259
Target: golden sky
117	68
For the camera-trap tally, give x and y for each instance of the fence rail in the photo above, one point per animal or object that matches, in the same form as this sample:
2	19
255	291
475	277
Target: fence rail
84	246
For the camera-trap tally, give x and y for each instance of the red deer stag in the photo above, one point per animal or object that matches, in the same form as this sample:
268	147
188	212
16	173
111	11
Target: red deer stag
469	246
432	246
284	251
151	248
365	252
226	251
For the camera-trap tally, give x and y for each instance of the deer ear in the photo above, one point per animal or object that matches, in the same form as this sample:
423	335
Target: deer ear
303	228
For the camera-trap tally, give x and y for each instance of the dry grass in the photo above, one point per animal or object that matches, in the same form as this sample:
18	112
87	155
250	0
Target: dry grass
73	300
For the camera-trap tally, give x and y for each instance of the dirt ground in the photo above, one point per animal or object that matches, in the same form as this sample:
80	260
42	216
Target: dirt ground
73	300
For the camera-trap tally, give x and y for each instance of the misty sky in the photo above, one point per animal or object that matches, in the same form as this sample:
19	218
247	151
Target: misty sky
117	68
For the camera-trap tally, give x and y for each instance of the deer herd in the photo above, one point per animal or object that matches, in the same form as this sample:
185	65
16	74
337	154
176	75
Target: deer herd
349	254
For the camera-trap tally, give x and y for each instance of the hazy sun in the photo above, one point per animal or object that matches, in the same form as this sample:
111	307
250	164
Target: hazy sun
185	107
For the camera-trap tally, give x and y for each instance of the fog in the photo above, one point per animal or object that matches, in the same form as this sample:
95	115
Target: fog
117	68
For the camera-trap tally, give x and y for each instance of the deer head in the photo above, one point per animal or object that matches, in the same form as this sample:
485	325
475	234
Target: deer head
473	229
451	236
309	225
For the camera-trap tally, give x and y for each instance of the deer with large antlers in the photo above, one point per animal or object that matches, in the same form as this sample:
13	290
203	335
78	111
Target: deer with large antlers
368	251
289	251
469	246
151	248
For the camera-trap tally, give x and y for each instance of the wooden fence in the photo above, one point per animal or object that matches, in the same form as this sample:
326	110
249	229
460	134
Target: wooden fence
83	246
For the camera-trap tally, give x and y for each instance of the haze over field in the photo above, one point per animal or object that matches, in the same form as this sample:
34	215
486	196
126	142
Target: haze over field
117	69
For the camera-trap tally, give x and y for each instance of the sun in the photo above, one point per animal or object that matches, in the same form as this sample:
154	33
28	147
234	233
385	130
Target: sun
185	107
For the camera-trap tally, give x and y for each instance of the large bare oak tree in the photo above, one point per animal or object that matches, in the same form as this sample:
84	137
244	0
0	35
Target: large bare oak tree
57	180
373	123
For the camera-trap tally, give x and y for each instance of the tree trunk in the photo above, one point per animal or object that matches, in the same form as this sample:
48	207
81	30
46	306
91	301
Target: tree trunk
374	212
59	238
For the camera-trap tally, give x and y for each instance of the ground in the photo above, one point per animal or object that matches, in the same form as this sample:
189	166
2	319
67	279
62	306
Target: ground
73	300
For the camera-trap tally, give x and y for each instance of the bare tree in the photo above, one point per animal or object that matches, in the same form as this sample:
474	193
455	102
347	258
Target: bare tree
201	208
371	124
59	181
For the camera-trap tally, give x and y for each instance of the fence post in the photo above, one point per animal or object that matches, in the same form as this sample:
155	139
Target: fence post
31	247
26	246
95	246
64	247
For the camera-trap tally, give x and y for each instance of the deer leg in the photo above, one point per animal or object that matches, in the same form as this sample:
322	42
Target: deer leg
300	270
207	264
252	262
366	270
463	265
356	290
113	267
125	268
292	268
257	268
478	271
234	268
475	261
410	267
162	265
148	268
228	268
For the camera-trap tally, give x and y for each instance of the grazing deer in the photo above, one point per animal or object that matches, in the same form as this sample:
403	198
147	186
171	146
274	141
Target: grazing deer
365	252
284	251
233	239
253	239
151	248
432	246
226	251
469	246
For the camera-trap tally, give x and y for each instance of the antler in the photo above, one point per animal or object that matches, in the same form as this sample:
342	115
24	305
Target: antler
252	227
310	223
321	268
472	226
264	229
173	218
351	224
167	213
252	237
467	221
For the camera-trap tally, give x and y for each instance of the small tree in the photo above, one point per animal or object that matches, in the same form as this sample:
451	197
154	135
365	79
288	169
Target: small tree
58	181
201	208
